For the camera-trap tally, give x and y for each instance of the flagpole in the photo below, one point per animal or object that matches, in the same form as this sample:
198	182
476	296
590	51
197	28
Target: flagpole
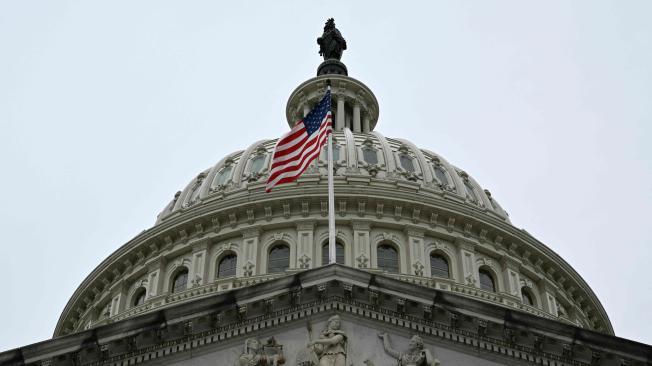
331	198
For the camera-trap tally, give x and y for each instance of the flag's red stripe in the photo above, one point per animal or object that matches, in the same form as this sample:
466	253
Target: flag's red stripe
295	170
294	177
295	151
292	140
287	152
283	159
315	144
283	152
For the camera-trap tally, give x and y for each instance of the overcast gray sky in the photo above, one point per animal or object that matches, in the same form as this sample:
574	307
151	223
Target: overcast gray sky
107	108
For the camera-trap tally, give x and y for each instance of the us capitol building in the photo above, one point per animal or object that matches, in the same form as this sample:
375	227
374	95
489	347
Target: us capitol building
429	270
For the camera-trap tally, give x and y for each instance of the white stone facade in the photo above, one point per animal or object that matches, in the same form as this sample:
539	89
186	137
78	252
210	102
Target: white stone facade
388	192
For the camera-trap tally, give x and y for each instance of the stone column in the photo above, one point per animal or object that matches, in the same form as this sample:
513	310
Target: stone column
511	277
250	251
548	299
366	124
305	245
468	270
339	119
198	266
115	304
119	300
356	118
416	249
361	245
155	279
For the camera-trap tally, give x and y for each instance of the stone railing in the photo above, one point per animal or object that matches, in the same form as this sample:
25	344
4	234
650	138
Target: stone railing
229	283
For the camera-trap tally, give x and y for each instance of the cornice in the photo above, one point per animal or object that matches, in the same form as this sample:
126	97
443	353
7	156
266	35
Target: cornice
442	317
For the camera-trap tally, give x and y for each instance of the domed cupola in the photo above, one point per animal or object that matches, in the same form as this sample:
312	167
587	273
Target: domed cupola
355	106
401	211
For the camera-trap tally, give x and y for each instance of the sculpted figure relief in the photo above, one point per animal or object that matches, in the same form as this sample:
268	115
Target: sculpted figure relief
415	355
254	353
330	347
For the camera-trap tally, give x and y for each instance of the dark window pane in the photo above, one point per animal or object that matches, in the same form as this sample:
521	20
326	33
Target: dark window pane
527	298
339	253
223	176
486	281
195	193
387	258
257	164
336	152
227	266
180	281
470	191
407	163
139	297
441	175
439	266
370	156
279	259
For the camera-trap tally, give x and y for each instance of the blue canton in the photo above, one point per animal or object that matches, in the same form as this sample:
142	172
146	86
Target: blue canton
313	120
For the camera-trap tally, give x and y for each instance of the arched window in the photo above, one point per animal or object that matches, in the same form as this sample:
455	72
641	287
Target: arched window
370	156
528	299
440	173
180	281
257	164
279	259
439	266
339	253
336	151
139	297
388	258
195	194
227	265
470	191
406	162
223	176
486	280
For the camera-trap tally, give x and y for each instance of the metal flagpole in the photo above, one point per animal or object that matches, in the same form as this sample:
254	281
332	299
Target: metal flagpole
331	198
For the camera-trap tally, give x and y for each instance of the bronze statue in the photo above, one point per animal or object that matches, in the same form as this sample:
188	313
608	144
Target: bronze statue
331	43
415	355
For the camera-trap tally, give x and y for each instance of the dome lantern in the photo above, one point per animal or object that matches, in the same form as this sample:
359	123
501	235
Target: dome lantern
354	105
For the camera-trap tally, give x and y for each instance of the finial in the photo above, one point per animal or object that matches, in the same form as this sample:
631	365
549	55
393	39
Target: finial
331	45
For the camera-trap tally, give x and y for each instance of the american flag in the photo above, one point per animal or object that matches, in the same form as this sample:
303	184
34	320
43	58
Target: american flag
299	147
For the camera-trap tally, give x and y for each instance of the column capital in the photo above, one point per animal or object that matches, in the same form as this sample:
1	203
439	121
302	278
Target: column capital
361	226
465	244
306	226
414	231
251	232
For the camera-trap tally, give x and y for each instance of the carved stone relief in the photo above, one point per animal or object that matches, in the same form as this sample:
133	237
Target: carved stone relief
329	349
257	354
415	355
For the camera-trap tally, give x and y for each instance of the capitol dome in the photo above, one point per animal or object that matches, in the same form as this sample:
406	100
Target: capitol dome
402	211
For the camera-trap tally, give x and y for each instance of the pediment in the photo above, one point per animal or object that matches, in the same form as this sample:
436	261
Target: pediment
293	310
